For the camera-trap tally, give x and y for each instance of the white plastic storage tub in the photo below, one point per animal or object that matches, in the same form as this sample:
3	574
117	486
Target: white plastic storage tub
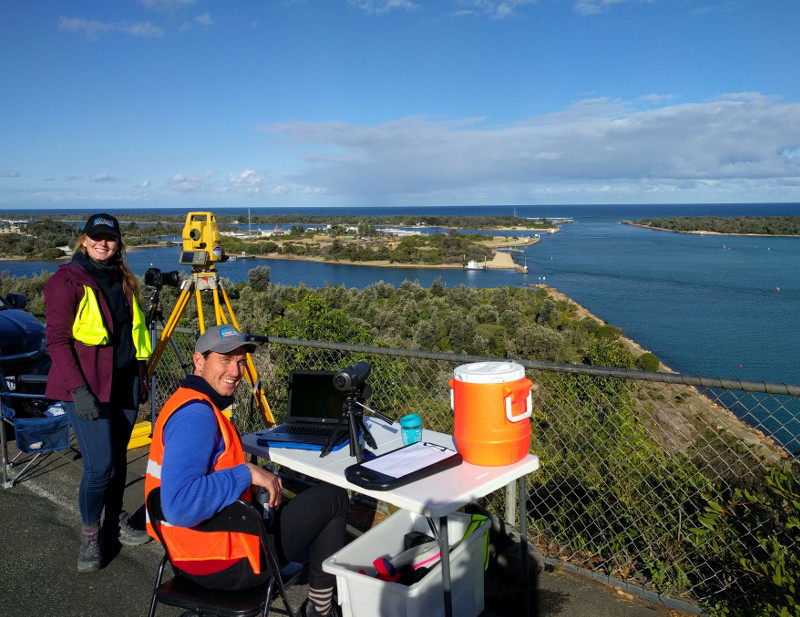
363	595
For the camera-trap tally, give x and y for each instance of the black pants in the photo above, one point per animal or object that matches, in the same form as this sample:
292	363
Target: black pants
311	524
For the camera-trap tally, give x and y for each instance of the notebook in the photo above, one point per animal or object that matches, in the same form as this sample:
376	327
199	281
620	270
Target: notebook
313	410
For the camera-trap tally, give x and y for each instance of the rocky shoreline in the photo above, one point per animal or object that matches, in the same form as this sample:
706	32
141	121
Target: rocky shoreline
680	427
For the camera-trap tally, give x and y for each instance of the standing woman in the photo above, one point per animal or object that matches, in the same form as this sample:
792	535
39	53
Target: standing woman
99	343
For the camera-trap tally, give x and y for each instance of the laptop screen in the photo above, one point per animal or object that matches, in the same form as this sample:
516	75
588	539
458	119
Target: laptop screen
313	398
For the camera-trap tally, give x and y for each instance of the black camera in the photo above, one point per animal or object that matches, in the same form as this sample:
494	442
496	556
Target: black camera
156	278
352	376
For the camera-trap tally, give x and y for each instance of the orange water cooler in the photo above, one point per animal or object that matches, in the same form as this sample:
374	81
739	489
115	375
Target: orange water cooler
492	406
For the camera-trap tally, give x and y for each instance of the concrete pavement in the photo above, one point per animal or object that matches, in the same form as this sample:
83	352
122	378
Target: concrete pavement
40	539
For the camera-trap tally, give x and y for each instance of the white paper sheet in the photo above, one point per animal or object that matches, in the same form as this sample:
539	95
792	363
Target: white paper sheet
409	459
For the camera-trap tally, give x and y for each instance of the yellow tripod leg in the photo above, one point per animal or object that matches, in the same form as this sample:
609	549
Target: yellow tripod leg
169	328
258	392
251	374
201	320
142	431
230	310
218	314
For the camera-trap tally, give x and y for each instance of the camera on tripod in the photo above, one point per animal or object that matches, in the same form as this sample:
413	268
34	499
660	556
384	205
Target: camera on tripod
353	382
156	278
201	241
351	377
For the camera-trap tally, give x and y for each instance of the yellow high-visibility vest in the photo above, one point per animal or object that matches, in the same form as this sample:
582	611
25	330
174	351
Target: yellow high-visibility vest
89	329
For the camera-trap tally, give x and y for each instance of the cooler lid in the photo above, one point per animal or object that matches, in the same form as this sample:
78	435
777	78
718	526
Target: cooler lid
489	372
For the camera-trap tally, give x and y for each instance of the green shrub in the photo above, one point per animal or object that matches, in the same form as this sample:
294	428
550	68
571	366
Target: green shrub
761	528
52	253
648	362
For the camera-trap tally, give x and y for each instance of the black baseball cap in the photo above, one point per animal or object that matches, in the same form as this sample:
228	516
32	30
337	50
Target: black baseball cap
102	223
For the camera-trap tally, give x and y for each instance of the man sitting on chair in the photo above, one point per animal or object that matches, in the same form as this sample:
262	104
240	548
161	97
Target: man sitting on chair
196	457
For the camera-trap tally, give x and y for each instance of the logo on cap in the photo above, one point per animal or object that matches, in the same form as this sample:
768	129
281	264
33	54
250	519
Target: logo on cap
226	332
102	221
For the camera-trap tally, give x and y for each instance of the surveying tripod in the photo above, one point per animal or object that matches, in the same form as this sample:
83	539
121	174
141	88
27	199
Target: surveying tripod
207	279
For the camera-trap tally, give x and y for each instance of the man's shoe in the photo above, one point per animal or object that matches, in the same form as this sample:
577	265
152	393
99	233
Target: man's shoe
308	610
130	536
89	557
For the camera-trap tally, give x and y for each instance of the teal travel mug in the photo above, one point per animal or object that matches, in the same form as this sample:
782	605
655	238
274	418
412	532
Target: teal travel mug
411	428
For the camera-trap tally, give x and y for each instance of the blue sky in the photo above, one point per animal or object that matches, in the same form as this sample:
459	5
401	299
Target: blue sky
253	103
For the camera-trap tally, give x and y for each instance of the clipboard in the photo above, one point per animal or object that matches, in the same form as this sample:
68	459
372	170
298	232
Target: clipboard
402	466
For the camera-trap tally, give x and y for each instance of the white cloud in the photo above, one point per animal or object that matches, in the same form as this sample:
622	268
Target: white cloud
11	174
89	27
657	98
205	20
593	7
143	29
738	139
166	5
496	9
192	184
103	178
249	181
93	28
55	197
382	6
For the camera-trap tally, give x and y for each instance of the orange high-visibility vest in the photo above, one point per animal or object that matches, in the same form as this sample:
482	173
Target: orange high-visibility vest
186	544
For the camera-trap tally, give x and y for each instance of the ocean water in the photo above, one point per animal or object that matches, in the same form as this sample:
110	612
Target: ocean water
721	306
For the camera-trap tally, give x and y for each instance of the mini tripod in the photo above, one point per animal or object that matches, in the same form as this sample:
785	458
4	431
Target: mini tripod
353	415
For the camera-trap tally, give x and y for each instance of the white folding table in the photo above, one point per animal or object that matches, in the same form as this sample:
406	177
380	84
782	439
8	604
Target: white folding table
435	496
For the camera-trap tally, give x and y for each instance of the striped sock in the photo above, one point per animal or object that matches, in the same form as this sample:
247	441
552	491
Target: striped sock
322	599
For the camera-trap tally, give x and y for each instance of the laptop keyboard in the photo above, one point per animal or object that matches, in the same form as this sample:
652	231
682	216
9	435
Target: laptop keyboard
304	429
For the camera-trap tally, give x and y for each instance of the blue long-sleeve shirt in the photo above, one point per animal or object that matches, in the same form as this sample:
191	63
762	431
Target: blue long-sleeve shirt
190	490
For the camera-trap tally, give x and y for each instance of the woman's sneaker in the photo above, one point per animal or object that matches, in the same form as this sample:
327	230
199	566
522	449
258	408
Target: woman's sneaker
89	557
129	535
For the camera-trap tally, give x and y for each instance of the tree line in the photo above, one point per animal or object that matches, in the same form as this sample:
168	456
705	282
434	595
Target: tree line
741	225
432	249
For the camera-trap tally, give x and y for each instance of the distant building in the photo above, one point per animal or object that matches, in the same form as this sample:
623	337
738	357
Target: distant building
10	227
400	233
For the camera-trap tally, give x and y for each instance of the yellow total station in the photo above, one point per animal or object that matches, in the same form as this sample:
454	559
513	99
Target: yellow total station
201	250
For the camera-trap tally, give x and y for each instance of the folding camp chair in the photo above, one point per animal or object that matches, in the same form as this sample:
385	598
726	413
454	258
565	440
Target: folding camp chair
184	593
37	437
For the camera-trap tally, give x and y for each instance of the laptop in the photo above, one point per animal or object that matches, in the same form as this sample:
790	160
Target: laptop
313	410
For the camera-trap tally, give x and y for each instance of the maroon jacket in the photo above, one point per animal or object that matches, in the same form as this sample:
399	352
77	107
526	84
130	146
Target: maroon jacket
74	363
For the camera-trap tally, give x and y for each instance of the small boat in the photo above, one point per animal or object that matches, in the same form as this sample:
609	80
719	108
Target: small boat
474	265
238	257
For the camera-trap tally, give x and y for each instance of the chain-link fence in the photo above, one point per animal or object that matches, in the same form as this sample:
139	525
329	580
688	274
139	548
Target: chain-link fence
632	462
